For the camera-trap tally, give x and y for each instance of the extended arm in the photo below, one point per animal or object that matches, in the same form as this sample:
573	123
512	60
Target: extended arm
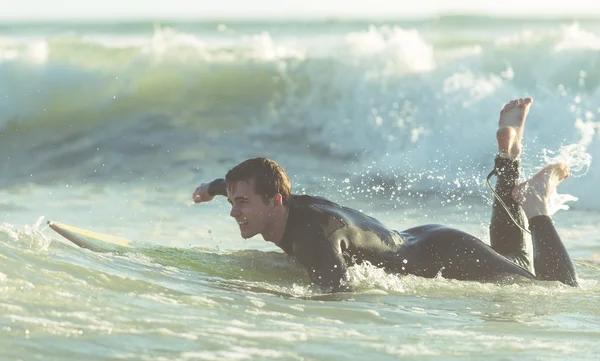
207	191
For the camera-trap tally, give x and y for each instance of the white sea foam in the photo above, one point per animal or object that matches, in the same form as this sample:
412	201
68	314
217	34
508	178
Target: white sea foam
379	97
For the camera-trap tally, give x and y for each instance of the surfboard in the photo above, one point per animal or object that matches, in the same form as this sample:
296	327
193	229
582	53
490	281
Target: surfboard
97	242
100	242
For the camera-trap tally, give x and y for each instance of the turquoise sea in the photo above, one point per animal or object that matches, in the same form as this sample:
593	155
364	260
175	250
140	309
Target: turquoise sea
110	126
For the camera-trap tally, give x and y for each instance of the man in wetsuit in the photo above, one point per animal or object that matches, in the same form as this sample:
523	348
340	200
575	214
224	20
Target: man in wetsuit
326	238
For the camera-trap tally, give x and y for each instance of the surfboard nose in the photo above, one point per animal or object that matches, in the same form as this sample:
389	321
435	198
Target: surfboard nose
94	241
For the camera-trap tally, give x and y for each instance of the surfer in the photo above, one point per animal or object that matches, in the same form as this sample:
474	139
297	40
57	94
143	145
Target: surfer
326	237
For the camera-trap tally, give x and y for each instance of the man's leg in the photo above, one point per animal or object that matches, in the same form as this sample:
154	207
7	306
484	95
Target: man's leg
550	257
435	250
506	237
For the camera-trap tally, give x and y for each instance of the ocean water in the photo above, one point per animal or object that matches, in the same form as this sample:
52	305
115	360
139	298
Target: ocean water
111	126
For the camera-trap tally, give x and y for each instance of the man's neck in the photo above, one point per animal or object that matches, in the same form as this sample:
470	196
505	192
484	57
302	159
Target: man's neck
277	229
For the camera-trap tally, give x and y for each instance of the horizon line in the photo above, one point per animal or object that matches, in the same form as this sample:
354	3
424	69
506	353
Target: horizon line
307	17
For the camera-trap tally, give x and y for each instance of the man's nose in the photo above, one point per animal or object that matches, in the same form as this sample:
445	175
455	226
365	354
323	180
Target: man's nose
235	212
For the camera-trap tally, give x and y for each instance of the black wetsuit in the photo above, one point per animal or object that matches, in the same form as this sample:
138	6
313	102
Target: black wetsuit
326	238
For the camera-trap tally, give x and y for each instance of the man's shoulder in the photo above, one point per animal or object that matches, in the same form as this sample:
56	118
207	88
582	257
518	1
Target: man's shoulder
312	207
305	200
314	214
304	208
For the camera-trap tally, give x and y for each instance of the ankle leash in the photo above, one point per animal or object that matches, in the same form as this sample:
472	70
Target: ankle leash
492	173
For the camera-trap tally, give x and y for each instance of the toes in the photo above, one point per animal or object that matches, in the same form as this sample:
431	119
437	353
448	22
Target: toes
525	102
521	102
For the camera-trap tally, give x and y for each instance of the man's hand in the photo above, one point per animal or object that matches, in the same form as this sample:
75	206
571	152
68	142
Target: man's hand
201	194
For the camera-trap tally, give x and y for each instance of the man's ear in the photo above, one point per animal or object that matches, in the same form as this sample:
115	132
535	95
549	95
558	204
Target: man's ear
277	200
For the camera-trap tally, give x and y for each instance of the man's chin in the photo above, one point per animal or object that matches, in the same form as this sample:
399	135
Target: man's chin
247	234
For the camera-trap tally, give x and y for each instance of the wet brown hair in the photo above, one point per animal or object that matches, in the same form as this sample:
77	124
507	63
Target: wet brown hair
269	178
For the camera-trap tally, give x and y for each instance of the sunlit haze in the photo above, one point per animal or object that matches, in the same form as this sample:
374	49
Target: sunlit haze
131	9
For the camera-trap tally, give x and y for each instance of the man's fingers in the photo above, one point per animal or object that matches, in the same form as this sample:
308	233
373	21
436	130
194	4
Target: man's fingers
201	194
196	197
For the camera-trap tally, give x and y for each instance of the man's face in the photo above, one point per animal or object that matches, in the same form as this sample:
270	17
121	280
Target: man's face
248	208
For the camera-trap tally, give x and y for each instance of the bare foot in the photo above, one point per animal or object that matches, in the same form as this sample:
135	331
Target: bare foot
533	194
510	127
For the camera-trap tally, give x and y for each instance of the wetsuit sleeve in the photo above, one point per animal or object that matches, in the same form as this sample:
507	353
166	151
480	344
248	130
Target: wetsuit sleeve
218	187
327	267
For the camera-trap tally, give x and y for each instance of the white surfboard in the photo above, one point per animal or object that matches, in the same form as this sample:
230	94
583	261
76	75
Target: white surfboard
94	241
